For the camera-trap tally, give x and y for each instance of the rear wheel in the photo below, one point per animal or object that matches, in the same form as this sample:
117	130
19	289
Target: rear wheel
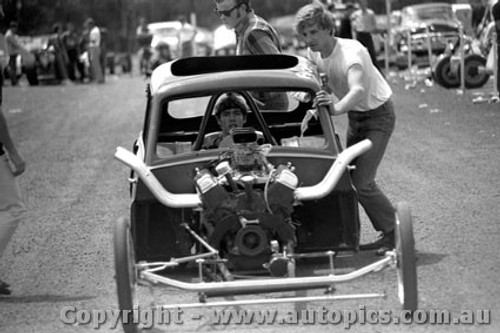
443	74
405	257
126	274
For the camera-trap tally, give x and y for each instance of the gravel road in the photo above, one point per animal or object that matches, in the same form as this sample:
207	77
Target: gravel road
443	159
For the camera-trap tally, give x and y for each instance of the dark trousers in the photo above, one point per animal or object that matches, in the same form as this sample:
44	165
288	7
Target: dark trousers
376	125
12	69
74	64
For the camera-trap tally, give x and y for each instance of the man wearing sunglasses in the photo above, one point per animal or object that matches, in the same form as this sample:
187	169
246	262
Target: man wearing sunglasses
254	36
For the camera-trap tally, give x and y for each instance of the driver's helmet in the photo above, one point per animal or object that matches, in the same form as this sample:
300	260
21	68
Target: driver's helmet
231	101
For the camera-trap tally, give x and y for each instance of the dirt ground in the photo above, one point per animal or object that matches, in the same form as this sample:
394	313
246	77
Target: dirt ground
443	159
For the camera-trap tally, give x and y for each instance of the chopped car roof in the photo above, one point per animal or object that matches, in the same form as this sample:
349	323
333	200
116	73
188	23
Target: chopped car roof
206	73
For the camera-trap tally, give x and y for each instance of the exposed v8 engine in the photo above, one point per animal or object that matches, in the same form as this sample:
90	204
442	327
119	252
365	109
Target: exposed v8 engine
248	205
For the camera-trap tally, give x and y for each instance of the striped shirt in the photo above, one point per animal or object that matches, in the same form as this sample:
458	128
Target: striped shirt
255	36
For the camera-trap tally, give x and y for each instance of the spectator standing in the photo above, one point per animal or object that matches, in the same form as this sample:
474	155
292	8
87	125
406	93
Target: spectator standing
364	24
162	55
358	89
254	36
14	49
11	203
345	29
84	56
103	46
144	37
70	40
185	38
95	51
57	43
495	11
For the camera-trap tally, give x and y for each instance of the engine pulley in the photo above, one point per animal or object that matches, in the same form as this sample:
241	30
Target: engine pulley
251	240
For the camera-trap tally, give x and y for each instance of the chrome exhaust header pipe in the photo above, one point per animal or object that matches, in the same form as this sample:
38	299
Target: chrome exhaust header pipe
325	186
167	198
192	200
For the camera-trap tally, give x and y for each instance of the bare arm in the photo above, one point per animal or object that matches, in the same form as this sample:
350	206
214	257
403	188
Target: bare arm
9	146
351	99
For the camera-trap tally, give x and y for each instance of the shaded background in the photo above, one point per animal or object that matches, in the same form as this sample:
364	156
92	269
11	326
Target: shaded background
120	17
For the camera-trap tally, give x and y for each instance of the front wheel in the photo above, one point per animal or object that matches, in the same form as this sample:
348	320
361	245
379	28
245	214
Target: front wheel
474	78
405	258
126	273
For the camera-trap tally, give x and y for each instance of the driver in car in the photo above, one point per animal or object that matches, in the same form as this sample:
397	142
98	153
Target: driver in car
230	112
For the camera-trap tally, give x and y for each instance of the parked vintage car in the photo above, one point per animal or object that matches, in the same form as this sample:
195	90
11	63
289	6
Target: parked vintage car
41	63
168	32
249	215
429	22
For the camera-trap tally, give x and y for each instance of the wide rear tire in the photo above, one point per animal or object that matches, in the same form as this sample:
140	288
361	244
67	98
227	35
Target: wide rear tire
405	256
126	274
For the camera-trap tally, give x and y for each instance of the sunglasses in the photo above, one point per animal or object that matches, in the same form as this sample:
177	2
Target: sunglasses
226	12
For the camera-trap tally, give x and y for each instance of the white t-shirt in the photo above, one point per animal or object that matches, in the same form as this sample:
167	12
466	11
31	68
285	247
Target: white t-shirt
346	53
95	37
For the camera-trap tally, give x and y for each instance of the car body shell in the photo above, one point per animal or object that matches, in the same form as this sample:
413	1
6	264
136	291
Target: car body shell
40	63
326	223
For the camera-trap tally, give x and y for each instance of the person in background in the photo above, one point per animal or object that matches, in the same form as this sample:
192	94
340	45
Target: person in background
143	38
186	37
11	202
70	40
162	55
14	49
363	25
254	36
103	54
56	41
83	56
345	29
495	12
357	88
95	51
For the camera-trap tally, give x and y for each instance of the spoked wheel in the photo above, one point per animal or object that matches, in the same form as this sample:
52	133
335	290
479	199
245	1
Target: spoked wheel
405	255
126	274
